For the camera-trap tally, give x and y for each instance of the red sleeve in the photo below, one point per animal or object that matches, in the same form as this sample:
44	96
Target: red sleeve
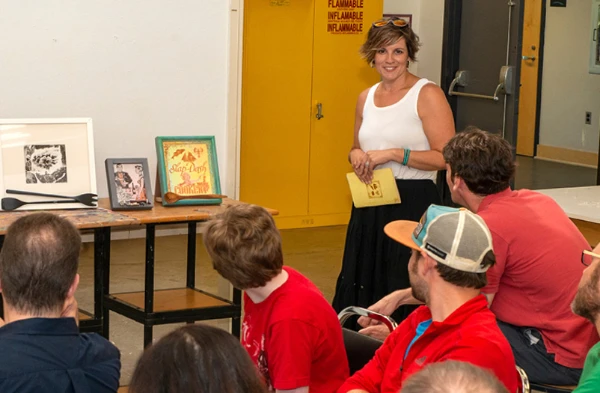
494	274
370	376
491	360
290	353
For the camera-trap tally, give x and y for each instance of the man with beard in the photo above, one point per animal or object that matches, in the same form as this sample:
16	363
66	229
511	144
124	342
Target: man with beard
587	305
452	250
537	248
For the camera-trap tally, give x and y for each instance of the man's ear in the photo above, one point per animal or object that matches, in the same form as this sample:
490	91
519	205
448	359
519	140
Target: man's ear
73	287
457	183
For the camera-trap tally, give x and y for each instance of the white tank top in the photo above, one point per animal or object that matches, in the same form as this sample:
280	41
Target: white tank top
395	126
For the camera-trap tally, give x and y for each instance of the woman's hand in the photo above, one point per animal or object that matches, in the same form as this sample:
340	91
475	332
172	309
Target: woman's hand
378	157
360	163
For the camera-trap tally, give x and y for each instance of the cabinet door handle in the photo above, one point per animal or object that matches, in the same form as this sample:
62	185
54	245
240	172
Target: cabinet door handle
319	114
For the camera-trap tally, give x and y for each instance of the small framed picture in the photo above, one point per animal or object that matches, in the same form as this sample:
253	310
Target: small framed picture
188	170
49	157
129	184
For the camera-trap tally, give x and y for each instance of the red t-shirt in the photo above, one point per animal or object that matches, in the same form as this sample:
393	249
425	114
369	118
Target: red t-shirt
469	334
537	271
294	338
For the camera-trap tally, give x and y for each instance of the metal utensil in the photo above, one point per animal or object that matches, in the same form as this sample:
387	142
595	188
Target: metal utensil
14	203
87	199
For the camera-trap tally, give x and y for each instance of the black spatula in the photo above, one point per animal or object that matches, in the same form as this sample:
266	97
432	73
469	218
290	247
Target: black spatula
14	203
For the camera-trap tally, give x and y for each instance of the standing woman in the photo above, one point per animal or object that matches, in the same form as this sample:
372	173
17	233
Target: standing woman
402	123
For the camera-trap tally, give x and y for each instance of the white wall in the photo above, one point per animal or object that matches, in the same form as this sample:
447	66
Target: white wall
428	23
138	68
568	90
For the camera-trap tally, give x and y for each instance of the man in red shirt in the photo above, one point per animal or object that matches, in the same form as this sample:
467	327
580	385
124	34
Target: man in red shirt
290	331
538	251
452	250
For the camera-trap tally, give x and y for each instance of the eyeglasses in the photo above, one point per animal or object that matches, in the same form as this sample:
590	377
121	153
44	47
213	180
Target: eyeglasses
398	22
587	257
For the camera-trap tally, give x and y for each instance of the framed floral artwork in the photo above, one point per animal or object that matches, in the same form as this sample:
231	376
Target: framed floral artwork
129	183
50	156
188	170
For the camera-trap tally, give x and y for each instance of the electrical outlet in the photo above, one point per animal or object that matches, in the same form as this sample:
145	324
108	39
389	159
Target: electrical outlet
588	118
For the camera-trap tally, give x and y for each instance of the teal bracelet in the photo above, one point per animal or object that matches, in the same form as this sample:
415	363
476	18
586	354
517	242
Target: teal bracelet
406	156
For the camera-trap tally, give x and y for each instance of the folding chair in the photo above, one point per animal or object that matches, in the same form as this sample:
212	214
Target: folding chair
360	348
525	385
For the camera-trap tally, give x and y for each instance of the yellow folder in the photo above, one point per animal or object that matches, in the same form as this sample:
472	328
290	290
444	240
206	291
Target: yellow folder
381	191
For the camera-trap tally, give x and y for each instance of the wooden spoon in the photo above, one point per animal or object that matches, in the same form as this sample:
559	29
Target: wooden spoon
171	197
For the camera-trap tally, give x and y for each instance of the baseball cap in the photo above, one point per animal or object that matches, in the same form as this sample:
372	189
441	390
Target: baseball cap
454	237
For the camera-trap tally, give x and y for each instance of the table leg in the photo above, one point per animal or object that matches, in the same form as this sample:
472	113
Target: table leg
191	255
101	276
147	335
149	287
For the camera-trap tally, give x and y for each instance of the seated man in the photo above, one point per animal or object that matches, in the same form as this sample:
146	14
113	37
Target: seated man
42	349
453	377
290	331
452	249
587	305
537	267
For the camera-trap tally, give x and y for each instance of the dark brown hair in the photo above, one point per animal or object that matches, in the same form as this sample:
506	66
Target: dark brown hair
244	245
483	160
380	37
452	376
38	262
196	358
466	279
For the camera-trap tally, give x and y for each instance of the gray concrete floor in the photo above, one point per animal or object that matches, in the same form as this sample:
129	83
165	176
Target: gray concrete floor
536	174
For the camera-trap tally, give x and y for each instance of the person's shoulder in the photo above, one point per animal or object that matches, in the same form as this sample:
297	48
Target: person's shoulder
98	349
429	87
301	300
481	329
362	97
430	93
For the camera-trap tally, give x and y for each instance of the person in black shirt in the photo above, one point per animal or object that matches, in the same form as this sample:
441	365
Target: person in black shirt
42	349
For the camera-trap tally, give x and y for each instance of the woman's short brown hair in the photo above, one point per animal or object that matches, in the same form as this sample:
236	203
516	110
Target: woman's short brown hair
244	245
380	37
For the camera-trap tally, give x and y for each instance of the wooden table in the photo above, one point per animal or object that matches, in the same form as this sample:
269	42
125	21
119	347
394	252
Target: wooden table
582	205
100	221
187	304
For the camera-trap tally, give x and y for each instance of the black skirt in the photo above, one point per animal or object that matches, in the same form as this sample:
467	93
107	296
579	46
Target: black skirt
374	265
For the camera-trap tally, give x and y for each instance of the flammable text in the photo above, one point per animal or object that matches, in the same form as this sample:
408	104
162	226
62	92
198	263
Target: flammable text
345	4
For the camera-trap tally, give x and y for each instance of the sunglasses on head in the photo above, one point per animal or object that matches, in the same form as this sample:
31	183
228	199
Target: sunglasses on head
398	22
